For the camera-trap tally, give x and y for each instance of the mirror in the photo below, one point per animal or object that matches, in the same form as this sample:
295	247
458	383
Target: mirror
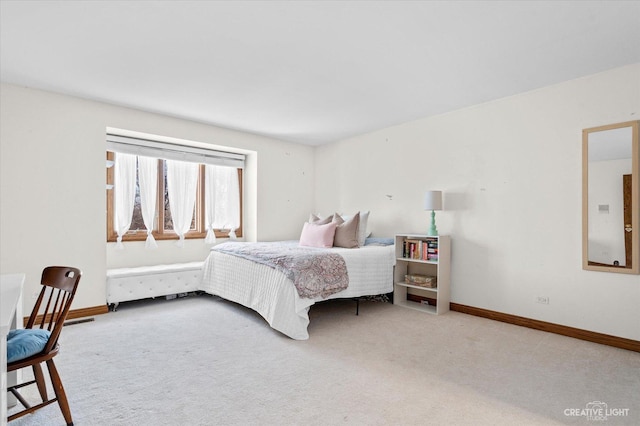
610	197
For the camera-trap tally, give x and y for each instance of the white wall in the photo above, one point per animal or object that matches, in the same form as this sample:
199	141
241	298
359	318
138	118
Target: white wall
52	193
511	173
510	169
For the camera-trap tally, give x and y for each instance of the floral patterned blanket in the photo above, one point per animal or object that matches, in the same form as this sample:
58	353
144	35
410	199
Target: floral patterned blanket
314	272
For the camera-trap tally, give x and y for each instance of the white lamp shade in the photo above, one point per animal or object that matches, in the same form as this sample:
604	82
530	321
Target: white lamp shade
433	200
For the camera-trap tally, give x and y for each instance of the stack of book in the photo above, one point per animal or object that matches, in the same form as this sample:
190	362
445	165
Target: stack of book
432	250
420	249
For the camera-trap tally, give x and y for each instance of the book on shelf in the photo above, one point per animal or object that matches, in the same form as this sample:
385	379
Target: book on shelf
420	249
412	249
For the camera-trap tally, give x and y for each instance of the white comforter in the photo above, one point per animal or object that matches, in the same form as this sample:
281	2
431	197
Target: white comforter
273	296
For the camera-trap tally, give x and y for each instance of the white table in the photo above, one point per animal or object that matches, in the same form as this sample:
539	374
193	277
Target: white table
10	313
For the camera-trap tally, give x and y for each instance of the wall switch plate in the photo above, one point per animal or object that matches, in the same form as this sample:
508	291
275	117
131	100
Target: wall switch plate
543	300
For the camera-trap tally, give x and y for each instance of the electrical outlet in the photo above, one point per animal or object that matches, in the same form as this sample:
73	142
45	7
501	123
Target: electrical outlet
543	300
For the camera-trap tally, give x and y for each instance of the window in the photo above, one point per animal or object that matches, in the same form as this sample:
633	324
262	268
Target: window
212	194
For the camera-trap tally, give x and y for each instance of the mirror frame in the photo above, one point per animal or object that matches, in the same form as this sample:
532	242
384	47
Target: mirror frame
635	200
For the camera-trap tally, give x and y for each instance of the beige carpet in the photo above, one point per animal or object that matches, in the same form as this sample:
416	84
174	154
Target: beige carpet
204	361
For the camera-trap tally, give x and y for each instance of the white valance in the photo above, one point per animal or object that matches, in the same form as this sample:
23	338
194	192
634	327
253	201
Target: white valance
172	151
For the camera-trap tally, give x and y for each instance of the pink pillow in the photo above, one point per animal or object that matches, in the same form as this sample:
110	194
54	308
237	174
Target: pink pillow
318	235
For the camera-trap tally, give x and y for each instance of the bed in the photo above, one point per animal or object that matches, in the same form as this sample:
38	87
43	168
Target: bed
272	293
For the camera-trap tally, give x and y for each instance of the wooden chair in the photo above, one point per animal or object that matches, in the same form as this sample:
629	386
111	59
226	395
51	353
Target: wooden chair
59	284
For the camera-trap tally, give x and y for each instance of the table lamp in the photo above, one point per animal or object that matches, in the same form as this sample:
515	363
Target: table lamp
433	202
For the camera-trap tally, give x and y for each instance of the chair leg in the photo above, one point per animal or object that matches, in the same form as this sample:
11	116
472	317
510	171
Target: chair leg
19	397
39	378
59	390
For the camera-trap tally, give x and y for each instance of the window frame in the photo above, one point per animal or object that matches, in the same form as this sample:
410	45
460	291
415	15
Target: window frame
159	233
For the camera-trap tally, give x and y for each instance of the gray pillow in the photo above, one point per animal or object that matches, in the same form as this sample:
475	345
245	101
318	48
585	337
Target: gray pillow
346	231
316	220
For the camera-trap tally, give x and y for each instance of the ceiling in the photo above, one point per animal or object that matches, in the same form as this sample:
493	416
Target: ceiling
310	72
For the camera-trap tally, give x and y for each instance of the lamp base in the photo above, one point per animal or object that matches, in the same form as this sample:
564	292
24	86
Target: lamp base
433	231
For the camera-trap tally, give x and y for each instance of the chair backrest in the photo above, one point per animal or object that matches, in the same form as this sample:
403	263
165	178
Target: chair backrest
59	284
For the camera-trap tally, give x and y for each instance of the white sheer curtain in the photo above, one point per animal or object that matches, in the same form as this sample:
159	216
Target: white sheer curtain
182	182
148	180
222	200
124	171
